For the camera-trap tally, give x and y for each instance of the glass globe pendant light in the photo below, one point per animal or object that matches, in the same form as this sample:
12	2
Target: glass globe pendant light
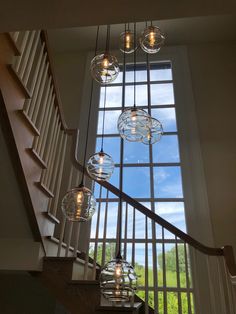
79	204
100	166
118	280
154	132
132	124
151	39
105	67
127	41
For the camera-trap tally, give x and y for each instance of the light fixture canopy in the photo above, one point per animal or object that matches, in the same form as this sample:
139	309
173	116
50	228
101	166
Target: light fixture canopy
132	124
154	132
118	280
100	166
127	42
151	39
104	68
78	204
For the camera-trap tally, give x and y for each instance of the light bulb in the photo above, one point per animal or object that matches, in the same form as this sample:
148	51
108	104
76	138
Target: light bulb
127	41
152	39
105	62
80	198
133	116
101	159
117	270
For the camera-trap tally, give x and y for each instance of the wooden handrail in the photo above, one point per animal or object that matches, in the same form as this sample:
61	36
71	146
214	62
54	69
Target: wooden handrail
226	251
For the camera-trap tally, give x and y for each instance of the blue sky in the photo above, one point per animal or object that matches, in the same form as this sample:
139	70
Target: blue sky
136	179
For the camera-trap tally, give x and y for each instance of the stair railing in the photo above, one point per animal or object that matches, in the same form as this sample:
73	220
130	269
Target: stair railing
61	171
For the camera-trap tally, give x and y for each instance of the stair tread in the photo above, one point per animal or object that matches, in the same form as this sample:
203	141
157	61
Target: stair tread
125	307
83	282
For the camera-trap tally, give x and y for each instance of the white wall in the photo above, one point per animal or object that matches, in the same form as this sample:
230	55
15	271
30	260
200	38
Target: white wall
213	71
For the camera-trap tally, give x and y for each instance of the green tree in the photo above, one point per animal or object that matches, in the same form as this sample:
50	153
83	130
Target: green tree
170	259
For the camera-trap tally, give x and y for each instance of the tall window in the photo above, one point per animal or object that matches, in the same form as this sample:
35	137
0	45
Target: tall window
151	174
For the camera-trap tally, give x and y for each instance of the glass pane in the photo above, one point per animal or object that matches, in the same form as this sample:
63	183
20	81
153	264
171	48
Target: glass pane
160	74
141	76
135	152
119	78
111	146
170	263
136	181
174	213
167	182
140	259
141	95
167	150
162	94
139	225
114	97
172	302
111	118
112	219
167	117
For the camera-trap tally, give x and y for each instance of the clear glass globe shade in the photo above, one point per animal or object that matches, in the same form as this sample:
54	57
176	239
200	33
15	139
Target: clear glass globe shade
151	39
104	68
132	124
154	133
127	42
100	166
78	204
118	281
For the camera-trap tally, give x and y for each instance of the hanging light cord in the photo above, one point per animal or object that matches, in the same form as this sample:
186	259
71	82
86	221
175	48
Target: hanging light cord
134	65
103	122
105	92
89	112
148	82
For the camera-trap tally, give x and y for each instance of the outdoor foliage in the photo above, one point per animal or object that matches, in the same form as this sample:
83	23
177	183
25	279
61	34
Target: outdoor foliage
171	277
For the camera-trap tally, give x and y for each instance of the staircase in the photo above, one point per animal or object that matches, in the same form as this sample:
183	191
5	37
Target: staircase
44	151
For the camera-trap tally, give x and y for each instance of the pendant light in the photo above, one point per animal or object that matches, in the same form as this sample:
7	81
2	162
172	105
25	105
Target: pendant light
132	123
100	166
151	39
155	129
118	280
127	41
105	67
79	204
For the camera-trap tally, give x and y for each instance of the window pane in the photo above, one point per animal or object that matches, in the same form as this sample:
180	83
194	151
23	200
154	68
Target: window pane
112	219
119	78
162	94
111	118
135	152
160	74
141	76
113	98
137	181
141	95
167	117
173	212
167	182
167	150
111	147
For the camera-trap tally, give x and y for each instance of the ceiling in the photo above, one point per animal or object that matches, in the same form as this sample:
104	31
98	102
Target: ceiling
50	14
177	31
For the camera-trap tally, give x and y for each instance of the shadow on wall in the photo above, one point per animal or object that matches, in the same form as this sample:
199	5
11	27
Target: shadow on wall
22	294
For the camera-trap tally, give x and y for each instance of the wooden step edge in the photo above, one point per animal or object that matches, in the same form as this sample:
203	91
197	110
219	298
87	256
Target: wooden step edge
79	257
13	44
22	86
66	259
30	123
37	158
84	282
120	308
44	189
51	217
